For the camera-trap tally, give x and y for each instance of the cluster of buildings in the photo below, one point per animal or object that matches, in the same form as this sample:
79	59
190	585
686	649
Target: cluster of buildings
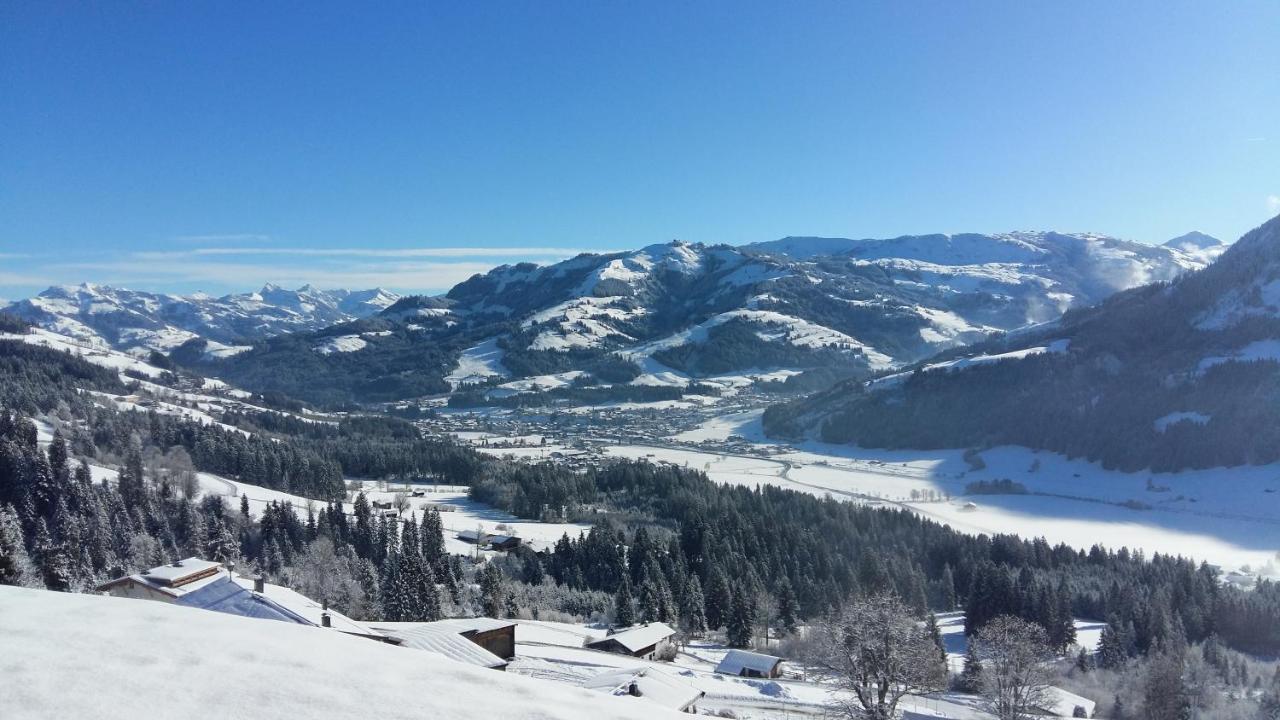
480	641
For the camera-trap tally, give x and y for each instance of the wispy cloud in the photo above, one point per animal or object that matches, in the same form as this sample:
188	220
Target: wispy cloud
441	252
227	238
1273	204
420	276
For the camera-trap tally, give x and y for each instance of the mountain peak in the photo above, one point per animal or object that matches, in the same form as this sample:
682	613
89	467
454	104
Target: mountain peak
1193	239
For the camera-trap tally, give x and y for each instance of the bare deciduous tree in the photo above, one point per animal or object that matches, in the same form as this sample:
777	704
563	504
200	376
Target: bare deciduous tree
1015	658
875	652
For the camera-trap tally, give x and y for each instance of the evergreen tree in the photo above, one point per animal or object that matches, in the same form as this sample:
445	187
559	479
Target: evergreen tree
788	607
742	618
935	635
693	617
491	595
16	567
624	615
52	558
1112	648
948	585
719	600
971	679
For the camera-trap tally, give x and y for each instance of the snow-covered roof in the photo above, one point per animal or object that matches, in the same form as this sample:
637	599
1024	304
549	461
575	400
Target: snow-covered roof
640	637
176	579
735	661
475	624
649	683
225	596
1063	704
250	669
307	608
443	638
182	572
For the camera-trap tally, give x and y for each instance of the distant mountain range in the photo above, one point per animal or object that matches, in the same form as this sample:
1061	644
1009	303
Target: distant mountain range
1166	376
634	325
145	321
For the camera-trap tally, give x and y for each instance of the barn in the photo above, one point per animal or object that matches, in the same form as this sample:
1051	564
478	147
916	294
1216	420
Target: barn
651	684
642	641
479	641
750	664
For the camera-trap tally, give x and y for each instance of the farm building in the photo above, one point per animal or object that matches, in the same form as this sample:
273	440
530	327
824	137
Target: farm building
642	641
224	596
174	582
166	583
487	540
750	664
479	641
651	684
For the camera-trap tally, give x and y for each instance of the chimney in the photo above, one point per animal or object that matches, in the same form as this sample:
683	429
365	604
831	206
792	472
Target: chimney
324	604
633	690
325	620
260	584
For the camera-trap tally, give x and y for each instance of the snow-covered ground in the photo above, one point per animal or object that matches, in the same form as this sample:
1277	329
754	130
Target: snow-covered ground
478	363
82	656
458	512
1228	517
553	651
341	344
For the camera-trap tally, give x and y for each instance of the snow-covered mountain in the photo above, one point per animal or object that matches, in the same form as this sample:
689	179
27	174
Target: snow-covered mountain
144	321
1167	376
879	302
680	315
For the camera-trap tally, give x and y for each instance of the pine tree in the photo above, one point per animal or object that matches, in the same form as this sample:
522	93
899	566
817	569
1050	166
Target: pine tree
16	567
971	676
1112	648
624	615
52	559
948	582
788	608
491	595
693	618
742	618
935	635
719	600
648	601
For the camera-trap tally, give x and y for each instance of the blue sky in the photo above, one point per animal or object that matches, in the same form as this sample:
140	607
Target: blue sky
220	145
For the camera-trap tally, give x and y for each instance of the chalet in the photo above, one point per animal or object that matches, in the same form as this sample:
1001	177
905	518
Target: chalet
649	683
176	582
484	642
166	583
749	664
642	641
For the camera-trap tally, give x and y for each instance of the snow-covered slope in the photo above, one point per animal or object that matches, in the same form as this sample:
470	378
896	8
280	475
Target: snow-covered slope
880	301
82	656
678	312
1163	376
129	319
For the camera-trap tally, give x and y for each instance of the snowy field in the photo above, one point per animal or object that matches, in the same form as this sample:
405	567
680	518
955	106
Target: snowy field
1228	517
457	511
553	651
169	662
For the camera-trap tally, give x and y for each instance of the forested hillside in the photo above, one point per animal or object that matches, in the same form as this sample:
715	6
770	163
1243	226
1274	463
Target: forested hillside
1172	375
